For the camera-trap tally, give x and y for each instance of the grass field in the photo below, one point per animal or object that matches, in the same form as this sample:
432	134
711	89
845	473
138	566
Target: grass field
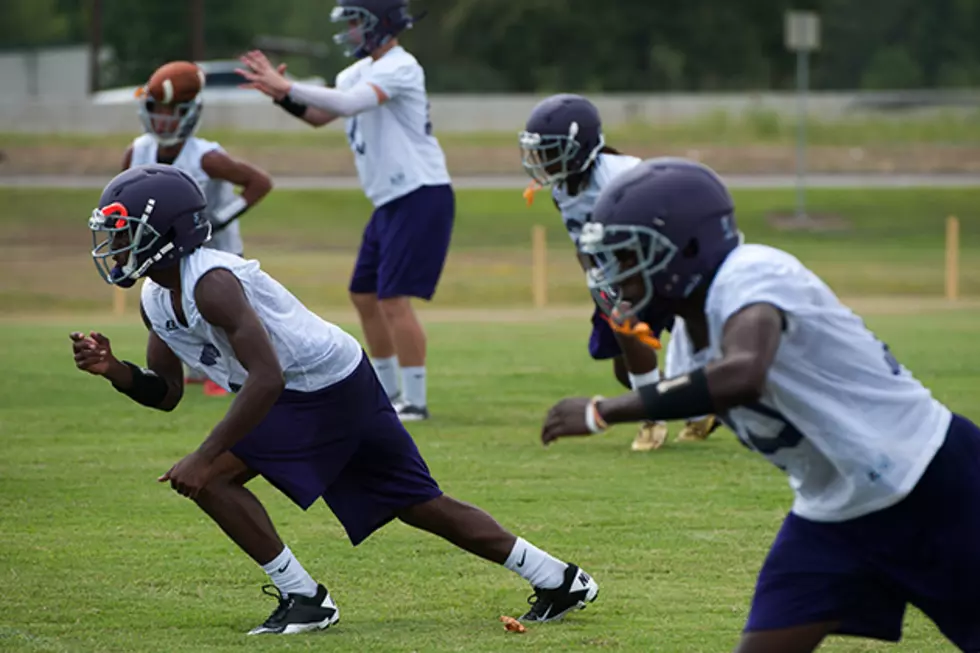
894	245
756	142
97	557
754	127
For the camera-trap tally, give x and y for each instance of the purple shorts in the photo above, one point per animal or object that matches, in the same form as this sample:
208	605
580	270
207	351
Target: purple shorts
602	341
343	443
923	551
405	245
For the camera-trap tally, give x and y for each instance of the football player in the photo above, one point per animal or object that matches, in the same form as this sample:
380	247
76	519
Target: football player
402	168
309	413
562	147
170	105
886	478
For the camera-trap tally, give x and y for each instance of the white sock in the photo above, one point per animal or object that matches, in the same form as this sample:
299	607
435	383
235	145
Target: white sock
413	386
387	371
538	567
289	576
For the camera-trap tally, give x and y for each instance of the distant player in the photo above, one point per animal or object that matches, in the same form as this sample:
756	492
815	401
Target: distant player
563	148
170	110
309	414
402	169
886	479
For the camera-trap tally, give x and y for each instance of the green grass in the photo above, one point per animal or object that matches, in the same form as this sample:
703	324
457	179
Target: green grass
718	128
308	239
96	556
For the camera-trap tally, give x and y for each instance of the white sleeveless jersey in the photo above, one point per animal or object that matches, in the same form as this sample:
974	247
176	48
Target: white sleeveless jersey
217	191
576	210
680	357
394	149
313	353
851	427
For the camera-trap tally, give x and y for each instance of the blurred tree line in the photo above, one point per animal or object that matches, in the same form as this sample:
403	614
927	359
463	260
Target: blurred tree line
550	45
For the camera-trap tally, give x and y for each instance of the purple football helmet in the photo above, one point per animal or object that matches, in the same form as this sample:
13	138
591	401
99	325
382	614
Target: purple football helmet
150	217
562	137
371	24
669	221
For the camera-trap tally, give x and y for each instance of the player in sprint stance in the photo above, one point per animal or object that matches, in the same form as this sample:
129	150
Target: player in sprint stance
402	169
309	414
563	148
886	479
170	107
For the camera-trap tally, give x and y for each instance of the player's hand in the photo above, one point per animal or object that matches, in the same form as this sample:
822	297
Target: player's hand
93	353
566	418
262	76
191	475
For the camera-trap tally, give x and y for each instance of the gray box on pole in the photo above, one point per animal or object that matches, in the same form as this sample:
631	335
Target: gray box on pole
802	31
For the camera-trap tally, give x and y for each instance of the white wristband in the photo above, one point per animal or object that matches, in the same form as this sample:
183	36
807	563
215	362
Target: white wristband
592	419
639	380
230	210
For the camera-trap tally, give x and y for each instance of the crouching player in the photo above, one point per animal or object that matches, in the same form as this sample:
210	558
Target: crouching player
563	147
886	478
309	413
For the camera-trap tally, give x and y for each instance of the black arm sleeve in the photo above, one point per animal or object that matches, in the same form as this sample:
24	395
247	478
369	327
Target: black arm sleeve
678	398
148	389
298	109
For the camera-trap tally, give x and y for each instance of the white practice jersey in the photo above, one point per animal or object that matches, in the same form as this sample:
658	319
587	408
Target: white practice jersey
217	191
576	210
313	353
394	149
680	357
852	428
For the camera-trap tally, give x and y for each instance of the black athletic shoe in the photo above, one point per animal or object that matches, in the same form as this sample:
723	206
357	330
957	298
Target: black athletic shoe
575	593
298	614
410	413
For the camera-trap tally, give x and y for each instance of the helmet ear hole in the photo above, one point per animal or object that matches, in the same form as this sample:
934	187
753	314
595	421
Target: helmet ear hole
692	249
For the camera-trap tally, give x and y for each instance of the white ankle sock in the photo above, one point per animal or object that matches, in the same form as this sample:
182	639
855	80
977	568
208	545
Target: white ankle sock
538	567
289	576
387	371
413	386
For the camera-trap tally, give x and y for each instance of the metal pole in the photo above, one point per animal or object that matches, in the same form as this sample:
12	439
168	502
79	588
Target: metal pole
95	46
197	30
802	85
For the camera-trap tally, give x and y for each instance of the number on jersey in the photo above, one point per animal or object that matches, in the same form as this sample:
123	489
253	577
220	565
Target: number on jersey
769	432
891	361
355	138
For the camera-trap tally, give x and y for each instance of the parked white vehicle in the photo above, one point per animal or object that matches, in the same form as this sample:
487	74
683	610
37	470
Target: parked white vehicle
220	86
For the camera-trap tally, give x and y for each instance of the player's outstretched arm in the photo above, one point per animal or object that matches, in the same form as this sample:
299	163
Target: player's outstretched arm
749	346
272	81
222	302
360	98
